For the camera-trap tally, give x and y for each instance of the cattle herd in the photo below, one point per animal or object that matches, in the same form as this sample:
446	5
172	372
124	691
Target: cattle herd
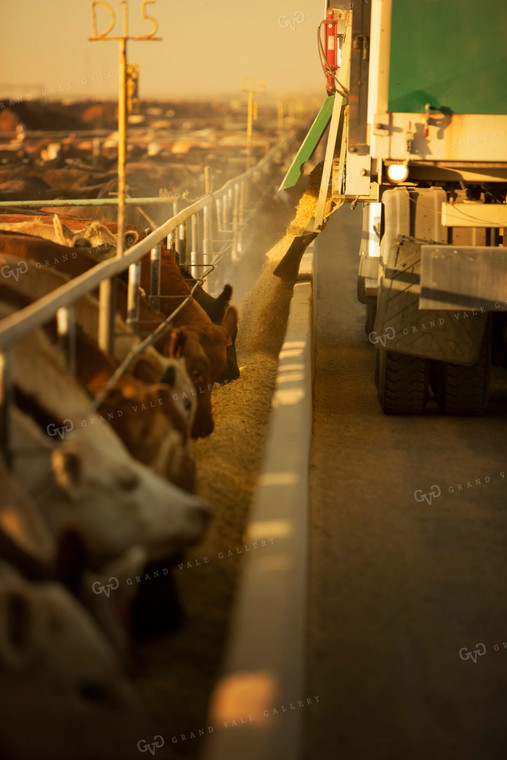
100	485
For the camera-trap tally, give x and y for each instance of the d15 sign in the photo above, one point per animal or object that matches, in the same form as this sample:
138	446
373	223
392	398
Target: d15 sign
112	21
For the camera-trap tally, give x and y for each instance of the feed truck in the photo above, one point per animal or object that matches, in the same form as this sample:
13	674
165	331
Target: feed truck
415	113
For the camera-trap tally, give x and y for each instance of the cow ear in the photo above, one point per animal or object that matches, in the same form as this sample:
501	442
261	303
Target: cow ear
17	623
131	237
143	369
218	309
63	233
178	342
67	469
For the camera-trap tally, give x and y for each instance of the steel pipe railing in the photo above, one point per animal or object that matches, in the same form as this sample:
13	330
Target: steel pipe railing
223	217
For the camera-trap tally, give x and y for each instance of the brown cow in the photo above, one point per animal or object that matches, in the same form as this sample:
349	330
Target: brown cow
215	308
94	233
214	338
50	256
153	420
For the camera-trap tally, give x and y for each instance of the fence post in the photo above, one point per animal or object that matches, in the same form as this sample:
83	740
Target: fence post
171	246
230	207
155	262
207	240
66	329
106	315
182	242
6	399
236	211
241	217
222	217
194	226
133	296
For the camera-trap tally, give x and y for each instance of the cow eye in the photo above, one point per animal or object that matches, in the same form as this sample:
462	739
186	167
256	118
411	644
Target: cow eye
188	404
196	374
128	481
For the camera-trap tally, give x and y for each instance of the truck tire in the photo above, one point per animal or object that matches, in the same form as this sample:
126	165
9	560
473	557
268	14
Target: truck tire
402	382
462	390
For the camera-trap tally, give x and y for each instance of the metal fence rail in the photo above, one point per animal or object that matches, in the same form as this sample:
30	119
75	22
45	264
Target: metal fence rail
214	222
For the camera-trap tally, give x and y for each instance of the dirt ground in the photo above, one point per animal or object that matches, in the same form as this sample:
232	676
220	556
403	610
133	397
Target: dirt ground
179	671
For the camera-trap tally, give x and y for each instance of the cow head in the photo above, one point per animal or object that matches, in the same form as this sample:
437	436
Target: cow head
181	406
135	412
60	679
185	343
115	501
215	341
149	423
96	234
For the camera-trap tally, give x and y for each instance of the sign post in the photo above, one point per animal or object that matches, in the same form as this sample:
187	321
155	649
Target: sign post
106	317
252	112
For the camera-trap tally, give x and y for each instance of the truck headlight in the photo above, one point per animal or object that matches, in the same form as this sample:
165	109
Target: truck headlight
397	172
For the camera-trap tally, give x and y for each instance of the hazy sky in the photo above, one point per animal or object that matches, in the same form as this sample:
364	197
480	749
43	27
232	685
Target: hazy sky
206	47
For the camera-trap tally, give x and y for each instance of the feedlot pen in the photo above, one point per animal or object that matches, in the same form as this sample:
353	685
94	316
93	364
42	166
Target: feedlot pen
175	675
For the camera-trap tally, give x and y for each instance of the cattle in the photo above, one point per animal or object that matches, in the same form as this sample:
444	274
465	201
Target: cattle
25	539
36	267
106	594
134	216
216	308
185	343
88	478
117	606
71	177
40	277
64	559
61	684
213	338
25	188
90	483
34	188
154	421
95	234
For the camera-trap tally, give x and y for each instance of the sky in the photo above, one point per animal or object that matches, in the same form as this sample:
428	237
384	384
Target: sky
207	47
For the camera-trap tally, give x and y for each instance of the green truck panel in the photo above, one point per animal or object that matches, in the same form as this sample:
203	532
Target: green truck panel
451	54
311	141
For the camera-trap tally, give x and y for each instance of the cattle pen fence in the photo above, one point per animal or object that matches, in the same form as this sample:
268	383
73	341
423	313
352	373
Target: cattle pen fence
203	234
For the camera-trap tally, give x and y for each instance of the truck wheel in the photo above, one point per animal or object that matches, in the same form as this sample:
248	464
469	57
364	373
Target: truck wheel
461	390
402	382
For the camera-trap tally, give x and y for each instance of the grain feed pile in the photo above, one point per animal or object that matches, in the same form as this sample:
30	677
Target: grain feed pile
179	671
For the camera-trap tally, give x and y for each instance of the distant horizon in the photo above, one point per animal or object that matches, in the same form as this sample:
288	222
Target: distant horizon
23	94
205	50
